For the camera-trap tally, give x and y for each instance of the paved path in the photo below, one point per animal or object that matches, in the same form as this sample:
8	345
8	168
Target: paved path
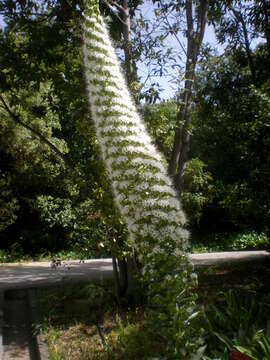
18	342
229	258
36	274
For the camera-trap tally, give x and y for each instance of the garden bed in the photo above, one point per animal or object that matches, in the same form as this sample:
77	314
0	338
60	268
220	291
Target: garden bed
86	322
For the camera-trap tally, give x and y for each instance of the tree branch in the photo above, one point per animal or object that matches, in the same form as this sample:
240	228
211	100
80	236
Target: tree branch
202	18
238	16
119	7
38	134
189	17
113	10
175	35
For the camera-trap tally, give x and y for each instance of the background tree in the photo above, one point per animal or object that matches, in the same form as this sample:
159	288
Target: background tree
235	116
42	122
196	18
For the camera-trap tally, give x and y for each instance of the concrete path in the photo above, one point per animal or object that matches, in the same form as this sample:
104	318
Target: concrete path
18	342
37	274
230	258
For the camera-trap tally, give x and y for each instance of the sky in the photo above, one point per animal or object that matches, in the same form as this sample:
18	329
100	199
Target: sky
2	24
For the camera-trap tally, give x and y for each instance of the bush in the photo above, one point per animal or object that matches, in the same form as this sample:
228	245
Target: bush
229	241
197	191
239	322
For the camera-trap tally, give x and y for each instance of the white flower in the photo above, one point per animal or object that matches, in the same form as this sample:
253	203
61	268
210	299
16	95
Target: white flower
194	276
143	191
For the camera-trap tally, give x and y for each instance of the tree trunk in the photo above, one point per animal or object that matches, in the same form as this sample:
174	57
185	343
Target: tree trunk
120	273
125	271
180	150
183	121
238	16
124	16
266	28
127	41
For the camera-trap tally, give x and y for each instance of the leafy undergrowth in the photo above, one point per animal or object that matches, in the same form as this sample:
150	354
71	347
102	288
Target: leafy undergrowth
209	242
85	321
241	323
18	255
229	241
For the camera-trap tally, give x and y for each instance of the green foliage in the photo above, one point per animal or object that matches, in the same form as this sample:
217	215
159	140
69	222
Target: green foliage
179	323
14	254
131	340
160	120
53	202
241	323
55	211
228	241
197	189
8	202
231	135
260	348
87	231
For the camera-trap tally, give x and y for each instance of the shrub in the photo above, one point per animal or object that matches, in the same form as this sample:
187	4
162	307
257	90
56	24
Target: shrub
239	322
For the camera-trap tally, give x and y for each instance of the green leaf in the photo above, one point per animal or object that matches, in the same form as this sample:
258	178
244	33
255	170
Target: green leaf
199	353
224	339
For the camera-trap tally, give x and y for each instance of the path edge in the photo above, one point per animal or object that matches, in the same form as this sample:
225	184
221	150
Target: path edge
40	344
1	323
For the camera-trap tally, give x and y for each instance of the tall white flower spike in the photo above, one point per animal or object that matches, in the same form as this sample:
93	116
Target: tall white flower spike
143	192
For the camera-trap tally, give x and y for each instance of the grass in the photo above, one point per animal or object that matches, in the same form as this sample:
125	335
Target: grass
86	322
82	341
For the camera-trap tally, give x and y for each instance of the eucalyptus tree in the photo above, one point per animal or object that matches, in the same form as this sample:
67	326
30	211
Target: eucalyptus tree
122	13
185	22
196	19
241	25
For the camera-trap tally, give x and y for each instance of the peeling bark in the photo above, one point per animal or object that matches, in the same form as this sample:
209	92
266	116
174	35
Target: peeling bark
180	150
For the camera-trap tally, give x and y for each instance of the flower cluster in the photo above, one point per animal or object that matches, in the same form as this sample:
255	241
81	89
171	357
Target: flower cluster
143	192
142	189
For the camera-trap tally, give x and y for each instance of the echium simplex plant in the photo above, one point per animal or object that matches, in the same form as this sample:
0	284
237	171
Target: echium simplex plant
143	192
